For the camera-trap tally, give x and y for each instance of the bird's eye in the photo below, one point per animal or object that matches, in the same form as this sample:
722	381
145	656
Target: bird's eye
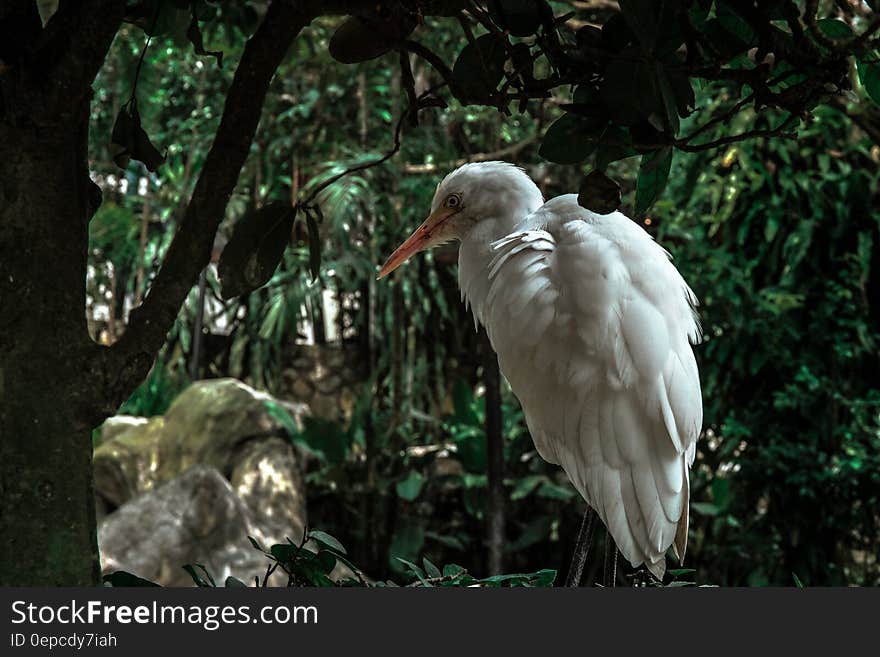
453	201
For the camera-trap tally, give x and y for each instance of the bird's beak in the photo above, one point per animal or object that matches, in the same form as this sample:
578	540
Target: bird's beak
421	239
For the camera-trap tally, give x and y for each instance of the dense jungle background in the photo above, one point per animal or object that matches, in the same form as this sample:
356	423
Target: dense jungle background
384	387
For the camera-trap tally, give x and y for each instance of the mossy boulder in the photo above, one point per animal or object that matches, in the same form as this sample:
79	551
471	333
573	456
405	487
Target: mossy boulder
221	424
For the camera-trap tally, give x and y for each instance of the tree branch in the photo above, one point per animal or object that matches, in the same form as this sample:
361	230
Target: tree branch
124	365
431	57
190	250
500	154
779	131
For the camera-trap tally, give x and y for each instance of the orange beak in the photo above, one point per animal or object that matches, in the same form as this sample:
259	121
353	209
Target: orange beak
421	239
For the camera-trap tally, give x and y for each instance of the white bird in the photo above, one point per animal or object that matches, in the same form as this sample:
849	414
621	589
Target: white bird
593	327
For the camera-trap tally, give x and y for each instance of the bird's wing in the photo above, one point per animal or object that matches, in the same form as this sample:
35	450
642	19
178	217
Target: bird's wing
593	328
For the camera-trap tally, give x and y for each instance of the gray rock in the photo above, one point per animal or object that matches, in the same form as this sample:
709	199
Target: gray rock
227	427
128	465
195	518
268	480
118	424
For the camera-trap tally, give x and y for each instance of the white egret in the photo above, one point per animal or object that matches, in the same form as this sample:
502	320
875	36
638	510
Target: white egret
593	327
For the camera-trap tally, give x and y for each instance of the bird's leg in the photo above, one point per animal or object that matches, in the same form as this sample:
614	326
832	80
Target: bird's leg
611	552
581	549
614	569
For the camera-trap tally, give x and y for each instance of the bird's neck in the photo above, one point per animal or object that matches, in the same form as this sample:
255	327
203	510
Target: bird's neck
475	257
504	207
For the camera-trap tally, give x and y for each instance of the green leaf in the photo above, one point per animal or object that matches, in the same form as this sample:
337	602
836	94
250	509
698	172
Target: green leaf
699	13
197	578
120	578
313	568
599	193
553	491
727	36
451	542
255	249
834	28
409	488
413	568
670	103
642	18
452	569
613	146
234	583
869	76
479	69
314	244
525	486
407	542
325	562
586	96
521	18
543	577
256	544
159	17
797	581
622	77
326	540
194	34
536	531
616	33
653	174
675	83
470	446
721	492
284	552
47	9
361	38
430	568
463	403
705	508
326	439
570	139
129	140
278	413
731	20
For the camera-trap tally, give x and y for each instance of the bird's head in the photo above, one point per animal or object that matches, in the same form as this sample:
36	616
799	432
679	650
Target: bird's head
471	193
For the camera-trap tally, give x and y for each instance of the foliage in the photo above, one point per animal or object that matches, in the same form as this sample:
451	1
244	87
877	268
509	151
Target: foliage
755	56
315	561
783	239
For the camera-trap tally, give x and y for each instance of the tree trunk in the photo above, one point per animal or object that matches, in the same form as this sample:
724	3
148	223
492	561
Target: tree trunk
47	518
494	456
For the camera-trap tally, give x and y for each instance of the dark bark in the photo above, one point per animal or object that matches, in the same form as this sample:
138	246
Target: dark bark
47	515
47	518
